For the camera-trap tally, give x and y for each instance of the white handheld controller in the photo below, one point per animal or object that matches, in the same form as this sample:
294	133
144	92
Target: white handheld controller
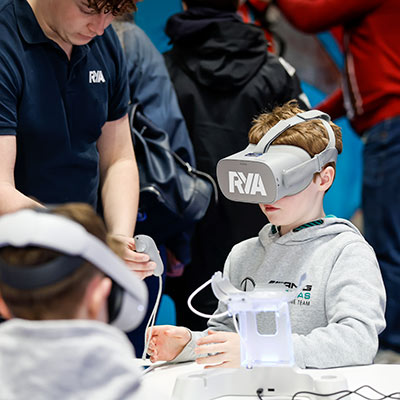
145	244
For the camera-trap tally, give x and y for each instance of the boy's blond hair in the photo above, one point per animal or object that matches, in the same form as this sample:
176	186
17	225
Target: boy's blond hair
311	136
62	299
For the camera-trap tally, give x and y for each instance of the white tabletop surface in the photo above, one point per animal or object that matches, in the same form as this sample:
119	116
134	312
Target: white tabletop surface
383	377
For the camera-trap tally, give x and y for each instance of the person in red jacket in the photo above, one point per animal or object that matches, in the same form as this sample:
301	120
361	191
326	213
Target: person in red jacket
370	97
254	12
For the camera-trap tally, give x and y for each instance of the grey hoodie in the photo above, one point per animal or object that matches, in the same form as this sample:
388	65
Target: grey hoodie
337	317
67	359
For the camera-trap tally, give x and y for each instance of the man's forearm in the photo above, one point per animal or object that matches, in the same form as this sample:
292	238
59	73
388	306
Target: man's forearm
12	200
120	197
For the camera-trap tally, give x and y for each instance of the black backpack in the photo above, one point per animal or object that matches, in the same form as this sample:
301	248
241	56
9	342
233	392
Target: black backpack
173	194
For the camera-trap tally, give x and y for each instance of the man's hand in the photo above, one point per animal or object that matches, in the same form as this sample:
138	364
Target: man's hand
225	347
167	342
138	262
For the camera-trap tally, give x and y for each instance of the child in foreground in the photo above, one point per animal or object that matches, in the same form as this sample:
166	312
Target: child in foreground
58	342
337	317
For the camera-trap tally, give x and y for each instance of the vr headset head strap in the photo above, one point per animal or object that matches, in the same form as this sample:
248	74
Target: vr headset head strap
329	154
31	228
284	125
315	164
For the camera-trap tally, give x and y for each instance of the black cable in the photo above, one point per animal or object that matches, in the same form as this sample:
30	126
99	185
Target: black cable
259	392
344	393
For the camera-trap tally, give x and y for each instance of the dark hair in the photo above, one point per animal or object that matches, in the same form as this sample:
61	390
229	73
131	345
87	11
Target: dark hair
115	7
228	5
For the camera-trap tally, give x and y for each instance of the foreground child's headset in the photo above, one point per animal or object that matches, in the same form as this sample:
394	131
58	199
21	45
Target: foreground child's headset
262	173
128	298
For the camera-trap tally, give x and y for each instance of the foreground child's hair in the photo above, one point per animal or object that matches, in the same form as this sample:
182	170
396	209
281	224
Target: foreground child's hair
62	299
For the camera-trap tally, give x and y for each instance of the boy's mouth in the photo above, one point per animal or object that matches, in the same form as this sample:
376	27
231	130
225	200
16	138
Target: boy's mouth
268	207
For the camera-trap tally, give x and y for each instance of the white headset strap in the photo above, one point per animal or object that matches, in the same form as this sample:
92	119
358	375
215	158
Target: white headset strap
29	227
283	125
315	164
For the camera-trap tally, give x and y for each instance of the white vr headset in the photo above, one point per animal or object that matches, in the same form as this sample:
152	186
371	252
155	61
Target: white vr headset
262	173
127	303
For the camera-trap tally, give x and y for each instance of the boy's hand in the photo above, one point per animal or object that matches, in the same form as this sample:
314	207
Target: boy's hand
225	344
167	342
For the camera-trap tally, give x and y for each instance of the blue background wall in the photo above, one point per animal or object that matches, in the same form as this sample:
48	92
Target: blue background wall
152	16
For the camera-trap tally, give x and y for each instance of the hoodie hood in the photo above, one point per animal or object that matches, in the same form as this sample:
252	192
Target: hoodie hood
74	359
216	48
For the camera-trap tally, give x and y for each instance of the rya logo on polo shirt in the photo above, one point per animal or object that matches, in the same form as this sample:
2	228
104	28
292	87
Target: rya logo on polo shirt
96	77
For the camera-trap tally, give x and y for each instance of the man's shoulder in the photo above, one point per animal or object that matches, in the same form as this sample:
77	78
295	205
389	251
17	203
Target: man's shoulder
4	4
11	46
8	24
7	16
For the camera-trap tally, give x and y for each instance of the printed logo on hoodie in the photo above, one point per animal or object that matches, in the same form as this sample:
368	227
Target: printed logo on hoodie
303	298
248	284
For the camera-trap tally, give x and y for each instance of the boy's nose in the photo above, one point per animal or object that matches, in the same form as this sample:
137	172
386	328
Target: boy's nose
100	22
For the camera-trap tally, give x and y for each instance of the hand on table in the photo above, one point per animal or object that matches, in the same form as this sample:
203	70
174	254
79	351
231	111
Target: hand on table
167	341
137	262
226	345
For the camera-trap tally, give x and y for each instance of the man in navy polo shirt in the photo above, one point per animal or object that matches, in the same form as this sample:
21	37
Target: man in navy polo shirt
63	112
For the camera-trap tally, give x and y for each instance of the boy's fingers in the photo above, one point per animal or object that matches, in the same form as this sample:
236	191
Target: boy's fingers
153	358
222	365
154	332
215	359
208	348
213	338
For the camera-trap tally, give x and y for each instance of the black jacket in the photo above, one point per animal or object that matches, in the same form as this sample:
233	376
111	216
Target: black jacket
224	77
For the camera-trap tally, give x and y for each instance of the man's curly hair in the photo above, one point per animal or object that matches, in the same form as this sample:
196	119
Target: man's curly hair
115	7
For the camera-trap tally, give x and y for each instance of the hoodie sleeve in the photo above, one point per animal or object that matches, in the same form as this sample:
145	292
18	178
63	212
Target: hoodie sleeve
355	306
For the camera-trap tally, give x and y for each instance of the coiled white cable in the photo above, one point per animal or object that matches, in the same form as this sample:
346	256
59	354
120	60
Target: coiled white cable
200	314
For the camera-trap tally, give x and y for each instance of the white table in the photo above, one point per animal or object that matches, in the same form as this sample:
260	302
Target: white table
382	377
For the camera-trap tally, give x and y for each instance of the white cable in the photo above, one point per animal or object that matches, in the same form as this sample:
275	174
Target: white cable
235	324
189	303
151	320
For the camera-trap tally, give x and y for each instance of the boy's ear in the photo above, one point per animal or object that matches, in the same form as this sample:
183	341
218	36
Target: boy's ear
96	297
4	310
327	176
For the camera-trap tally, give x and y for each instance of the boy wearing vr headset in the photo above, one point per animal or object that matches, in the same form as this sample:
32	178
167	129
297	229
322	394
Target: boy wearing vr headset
287	169
60	284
